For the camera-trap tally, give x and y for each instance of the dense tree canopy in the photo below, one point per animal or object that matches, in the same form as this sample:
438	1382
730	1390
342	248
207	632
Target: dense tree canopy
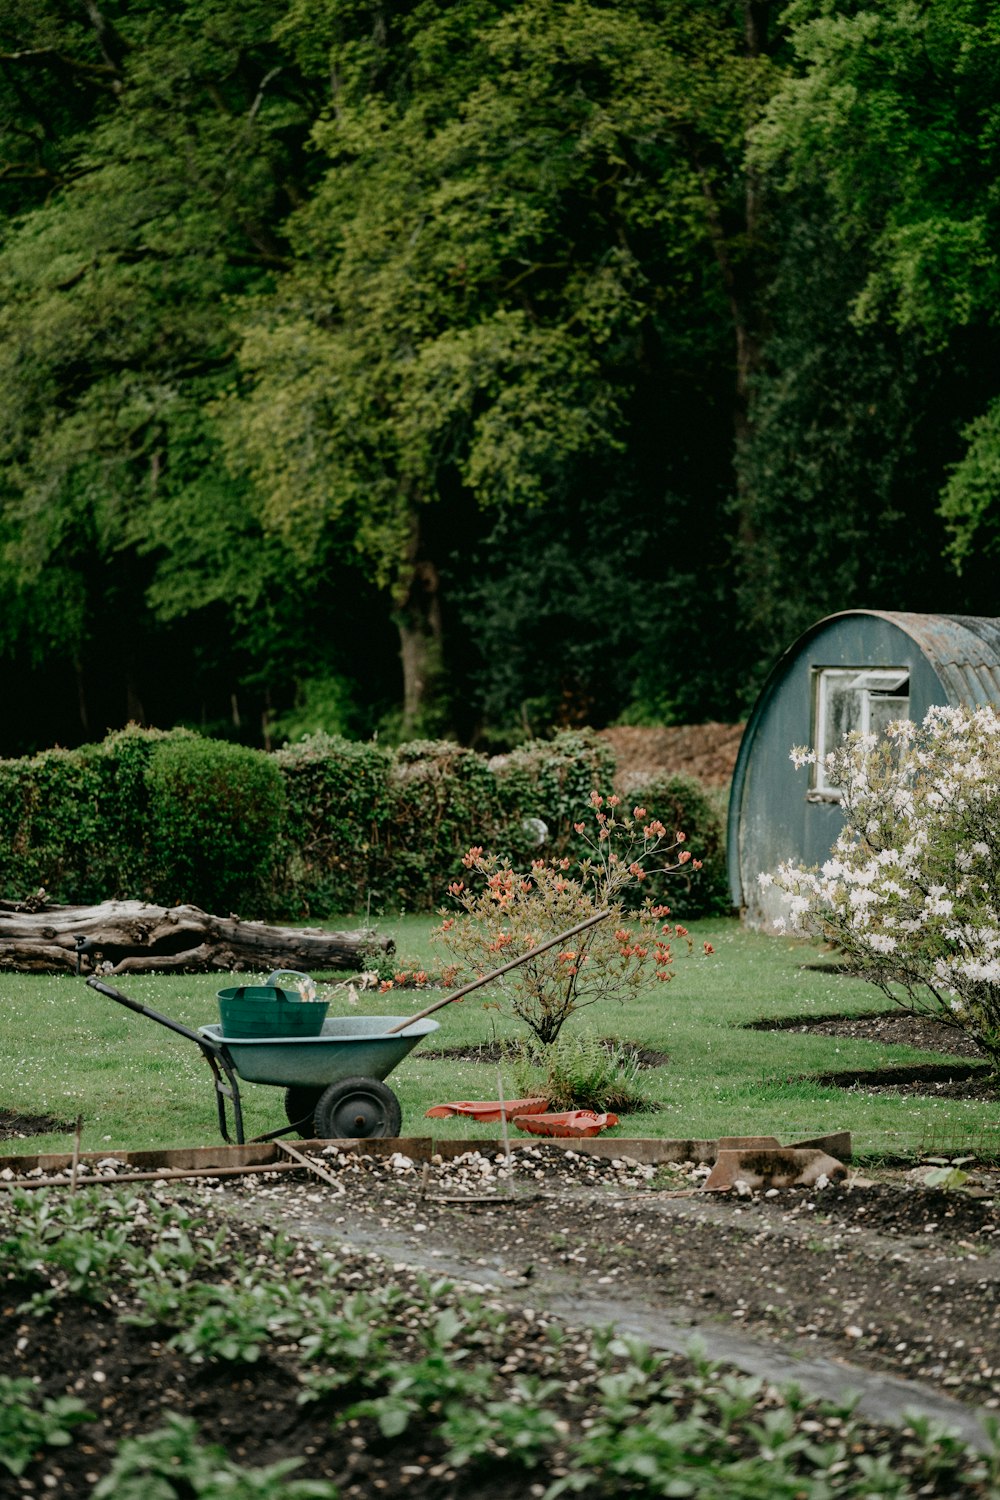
481	365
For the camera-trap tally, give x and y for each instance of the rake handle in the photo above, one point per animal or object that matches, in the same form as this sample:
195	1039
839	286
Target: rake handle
476	984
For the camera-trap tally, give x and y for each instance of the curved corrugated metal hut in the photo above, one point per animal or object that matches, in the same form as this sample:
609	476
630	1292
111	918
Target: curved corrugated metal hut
856	670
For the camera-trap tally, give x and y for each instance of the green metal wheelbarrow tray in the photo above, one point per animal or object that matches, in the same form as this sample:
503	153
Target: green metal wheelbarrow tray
335	1082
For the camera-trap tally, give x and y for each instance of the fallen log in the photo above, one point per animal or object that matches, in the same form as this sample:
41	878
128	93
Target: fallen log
132	937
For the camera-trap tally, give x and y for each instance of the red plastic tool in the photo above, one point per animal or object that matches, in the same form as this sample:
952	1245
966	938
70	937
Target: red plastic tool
579	1122
489	1110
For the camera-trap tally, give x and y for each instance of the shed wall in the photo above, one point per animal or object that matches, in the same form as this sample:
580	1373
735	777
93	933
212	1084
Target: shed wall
770	819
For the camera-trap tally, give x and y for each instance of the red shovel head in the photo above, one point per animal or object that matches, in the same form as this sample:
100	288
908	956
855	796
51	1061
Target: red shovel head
488	1110
573	1122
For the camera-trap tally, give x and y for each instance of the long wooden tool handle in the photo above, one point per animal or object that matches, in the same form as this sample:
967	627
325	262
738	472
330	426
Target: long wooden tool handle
504	968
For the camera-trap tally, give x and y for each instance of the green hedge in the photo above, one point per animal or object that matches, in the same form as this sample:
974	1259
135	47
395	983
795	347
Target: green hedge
322	827
216	815
682	806
337	802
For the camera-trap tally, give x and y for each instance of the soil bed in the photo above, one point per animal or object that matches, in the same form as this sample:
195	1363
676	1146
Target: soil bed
894	1279
896	1028
498	1052
18	1127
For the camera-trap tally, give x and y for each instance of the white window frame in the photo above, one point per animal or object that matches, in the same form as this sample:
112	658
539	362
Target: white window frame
868	683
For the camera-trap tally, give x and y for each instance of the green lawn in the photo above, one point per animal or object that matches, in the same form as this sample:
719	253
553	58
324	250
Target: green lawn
68	1051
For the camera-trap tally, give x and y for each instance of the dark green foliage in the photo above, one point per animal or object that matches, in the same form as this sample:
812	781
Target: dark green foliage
320	828
51	812
551	780
336	794
443	798
680	802
216	813
165	817
588	351
853	426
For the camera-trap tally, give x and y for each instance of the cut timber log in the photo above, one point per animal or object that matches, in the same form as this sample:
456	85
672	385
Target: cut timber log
131	937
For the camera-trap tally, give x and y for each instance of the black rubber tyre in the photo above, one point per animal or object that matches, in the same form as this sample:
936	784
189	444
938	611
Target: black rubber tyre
357	1109
300	1106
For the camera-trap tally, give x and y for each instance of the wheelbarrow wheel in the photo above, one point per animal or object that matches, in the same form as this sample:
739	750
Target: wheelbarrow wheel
300	1106
356	1109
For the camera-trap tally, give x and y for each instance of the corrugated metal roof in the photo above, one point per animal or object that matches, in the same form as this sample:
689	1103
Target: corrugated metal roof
964	650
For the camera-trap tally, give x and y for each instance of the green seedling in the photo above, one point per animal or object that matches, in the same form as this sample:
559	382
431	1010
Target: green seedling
30	1422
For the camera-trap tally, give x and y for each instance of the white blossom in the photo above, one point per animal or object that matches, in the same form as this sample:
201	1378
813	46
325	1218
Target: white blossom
924	804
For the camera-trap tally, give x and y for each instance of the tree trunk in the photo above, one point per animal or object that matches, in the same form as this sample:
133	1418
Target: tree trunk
419	623
130	937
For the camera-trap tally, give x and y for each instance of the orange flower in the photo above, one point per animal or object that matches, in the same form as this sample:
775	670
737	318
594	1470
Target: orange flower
639	812
708	948
684	856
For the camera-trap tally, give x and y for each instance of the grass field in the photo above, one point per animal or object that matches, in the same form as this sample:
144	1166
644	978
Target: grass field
68	1052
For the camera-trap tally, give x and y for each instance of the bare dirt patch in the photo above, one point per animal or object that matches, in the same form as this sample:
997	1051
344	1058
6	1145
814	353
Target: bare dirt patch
14	1127
970	1078
498	1052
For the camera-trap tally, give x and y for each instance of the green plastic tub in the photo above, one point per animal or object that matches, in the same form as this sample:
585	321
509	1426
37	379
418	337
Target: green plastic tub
262	1010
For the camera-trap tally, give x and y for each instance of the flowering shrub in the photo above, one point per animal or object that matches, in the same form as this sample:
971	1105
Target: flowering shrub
506	913
910	893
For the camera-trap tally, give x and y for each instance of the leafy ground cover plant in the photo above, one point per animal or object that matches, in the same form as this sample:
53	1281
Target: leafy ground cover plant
29	1421
910	894
581	1071
173	1461
506	913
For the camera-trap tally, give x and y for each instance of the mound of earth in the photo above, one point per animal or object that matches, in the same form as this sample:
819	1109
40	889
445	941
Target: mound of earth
706	751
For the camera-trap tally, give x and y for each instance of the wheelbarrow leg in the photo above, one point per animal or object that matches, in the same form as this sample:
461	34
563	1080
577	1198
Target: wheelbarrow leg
226	1088
214	1052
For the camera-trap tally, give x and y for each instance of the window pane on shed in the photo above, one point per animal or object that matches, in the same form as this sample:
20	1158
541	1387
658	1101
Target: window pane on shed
843	709
884	711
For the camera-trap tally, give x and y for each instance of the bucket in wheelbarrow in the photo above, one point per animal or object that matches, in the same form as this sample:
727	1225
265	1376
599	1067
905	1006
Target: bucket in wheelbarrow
264	1010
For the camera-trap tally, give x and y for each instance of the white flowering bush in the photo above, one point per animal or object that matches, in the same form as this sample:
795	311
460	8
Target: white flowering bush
911	891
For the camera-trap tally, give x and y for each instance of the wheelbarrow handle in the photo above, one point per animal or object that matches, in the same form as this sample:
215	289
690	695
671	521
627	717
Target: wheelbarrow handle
514	963
210	1049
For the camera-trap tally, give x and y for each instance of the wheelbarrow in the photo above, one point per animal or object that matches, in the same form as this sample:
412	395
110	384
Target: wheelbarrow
334	1082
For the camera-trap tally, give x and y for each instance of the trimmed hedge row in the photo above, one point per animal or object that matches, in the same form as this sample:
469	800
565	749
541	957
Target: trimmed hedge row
321	827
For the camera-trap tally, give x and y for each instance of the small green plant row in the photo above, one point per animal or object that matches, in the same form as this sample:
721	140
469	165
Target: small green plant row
326	825
428	1356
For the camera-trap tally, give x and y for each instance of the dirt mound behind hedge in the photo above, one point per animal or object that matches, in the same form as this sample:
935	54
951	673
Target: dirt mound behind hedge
707	751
